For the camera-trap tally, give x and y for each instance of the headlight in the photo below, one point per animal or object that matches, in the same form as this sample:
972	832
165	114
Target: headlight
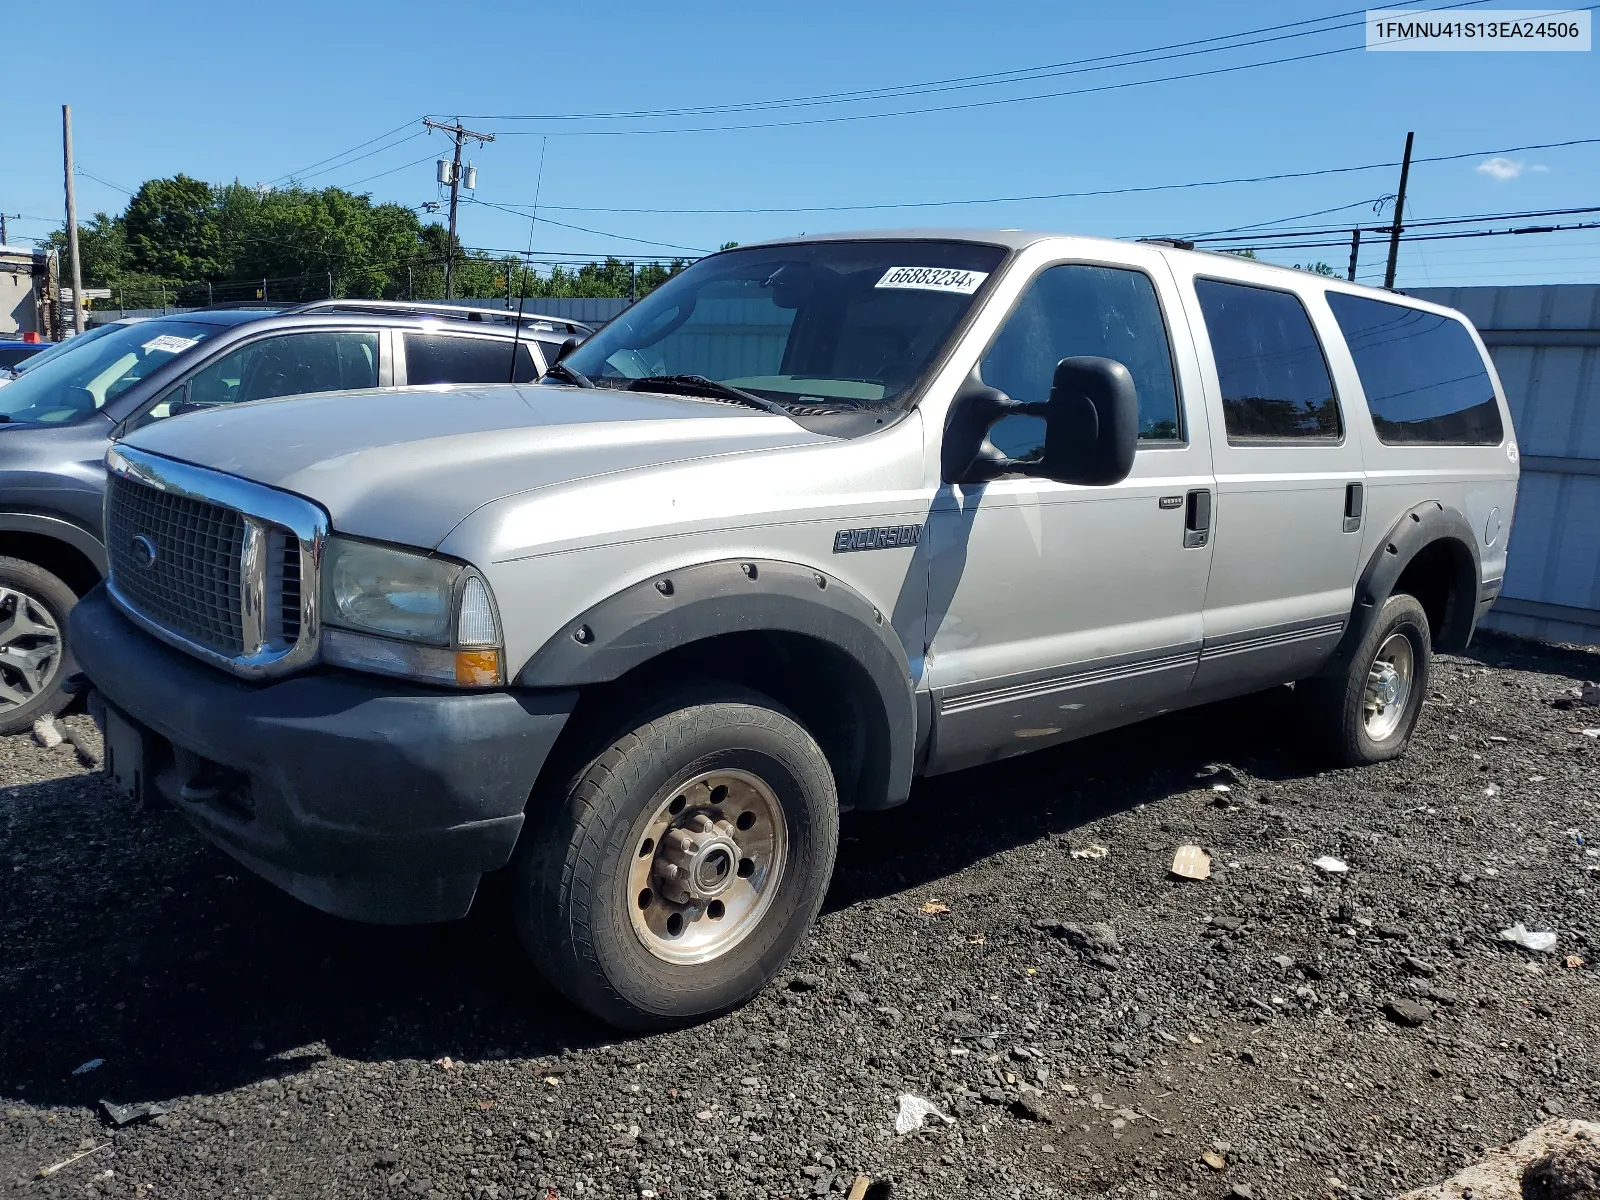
398	612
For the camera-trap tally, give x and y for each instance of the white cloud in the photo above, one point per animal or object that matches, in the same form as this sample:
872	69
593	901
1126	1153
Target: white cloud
1501	168
1538	167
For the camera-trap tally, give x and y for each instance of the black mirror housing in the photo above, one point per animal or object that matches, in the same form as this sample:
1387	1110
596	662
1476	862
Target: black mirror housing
1091	427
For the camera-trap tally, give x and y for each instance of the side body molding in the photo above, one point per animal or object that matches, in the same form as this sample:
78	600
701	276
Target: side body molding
1420	527
76	536
709	600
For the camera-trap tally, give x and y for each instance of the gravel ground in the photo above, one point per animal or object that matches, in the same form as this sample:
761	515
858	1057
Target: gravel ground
1219	1035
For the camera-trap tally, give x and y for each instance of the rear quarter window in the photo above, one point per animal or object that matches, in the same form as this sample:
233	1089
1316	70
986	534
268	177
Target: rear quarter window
1423	376
445	358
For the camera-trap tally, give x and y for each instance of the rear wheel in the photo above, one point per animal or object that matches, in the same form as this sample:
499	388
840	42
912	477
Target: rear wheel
34	661
682	864
1366	713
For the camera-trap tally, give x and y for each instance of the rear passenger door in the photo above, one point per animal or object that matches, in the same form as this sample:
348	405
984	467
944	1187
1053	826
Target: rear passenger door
437	357
1290	486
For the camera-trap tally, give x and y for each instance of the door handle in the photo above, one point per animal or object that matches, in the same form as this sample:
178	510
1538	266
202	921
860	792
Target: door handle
1197	518
1354	501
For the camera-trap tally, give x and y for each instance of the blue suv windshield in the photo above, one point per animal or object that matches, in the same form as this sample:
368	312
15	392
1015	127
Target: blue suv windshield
84	377
812	326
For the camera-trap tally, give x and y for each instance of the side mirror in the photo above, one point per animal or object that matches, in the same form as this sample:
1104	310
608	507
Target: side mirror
1091	427
567	347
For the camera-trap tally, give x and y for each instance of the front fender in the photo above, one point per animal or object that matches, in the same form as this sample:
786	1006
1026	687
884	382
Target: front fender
707	600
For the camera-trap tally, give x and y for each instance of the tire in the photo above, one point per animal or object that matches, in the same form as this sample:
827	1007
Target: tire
35	659
592	875
1350	724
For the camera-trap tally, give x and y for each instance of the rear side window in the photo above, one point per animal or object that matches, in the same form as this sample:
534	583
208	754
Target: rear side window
1424	378
441	358
1274	379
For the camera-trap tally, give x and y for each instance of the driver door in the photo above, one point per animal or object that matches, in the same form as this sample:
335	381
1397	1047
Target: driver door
1059	610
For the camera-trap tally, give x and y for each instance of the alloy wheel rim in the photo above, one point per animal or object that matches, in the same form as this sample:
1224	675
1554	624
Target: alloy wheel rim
706	866
30	648
1389	683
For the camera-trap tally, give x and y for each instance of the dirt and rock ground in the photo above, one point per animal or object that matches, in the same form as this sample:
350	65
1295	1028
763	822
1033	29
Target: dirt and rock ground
1275	1031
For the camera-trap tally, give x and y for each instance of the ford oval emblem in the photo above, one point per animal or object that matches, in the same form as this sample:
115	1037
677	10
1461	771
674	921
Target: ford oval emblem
144	551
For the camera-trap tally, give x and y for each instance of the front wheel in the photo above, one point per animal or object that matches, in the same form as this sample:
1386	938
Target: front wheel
34	661
1365	713
682	865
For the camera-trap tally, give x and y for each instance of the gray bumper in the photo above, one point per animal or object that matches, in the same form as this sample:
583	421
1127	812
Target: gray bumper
367	798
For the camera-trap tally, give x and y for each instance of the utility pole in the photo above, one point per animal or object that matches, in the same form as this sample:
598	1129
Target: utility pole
1355	251
1399	216
460	134
4	241
72	220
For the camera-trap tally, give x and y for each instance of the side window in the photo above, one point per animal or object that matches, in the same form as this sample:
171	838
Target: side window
1423	376
442	358
1275	382
1076	309
290	364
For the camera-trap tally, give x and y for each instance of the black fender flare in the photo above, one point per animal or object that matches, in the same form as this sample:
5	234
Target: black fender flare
63	531
1418	528
695	603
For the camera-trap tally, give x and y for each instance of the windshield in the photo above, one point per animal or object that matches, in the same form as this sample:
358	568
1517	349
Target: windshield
89	372
56	349
820	326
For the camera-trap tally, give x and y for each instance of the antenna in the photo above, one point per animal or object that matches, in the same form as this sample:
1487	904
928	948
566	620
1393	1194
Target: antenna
522	292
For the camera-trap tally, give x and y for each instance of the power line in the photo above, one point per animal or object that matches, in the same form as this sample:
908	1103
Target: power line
1431	222
411	137
518	212
965	105
1101	62
342	153
987	79
1080	195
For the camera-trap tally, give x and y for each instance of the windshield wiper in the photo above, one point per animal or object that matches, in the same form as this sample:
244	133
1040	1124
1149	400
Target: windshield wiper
569	375
700	385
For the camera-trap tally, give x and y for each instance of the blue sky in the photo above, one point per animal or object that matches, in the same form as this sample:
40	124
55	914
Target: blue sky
225	91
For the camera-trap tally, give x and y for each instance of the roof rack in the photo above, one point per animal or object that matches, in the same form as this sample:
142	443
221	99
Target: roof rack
460	312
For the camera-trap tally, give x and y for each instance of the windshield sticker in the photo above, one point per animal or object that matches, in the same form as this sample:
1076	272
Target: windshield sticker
933	279
169	344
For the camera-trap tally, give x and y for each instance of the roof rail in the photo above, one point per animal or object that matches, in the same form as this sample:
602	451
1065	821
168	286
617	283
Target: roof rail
460	312
1176	243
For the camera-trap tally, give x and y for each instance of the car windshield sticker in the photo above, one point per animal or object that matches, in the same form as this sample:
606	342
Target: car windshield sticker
933	279
169	344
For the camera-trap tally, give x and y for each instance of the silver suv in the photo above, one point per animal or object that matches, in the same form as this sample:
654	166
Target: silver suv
814	518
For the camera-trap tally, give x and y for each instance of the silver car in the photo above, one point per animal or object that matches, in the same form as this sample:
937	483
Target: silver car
812	519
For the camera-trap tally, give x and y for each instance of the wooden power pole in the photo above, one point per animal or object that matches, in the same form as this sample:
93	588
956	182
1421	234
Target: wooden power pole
460	134
72	220
1399	216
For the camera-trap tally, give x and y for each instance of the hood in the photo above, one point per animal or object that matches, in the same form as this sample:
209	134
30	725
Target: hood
407	465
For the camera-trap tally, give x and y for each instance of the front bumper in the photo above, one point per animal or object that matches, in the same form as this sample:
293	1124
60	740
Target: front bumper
367	798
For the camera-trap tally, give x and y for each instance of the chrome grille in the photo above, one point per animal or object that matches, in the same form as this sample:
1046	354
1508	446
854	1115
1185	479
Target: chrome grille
189	579
220	567
284	584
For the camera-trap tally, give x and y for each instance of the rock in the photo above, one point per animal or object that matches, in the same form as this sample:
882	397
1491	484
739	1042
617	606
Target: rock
1283	961
858	958
1231	924
46	734
1032	1108
1408	1013
1241	1191
1551	1155
1418	967
1570	1173
805	982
